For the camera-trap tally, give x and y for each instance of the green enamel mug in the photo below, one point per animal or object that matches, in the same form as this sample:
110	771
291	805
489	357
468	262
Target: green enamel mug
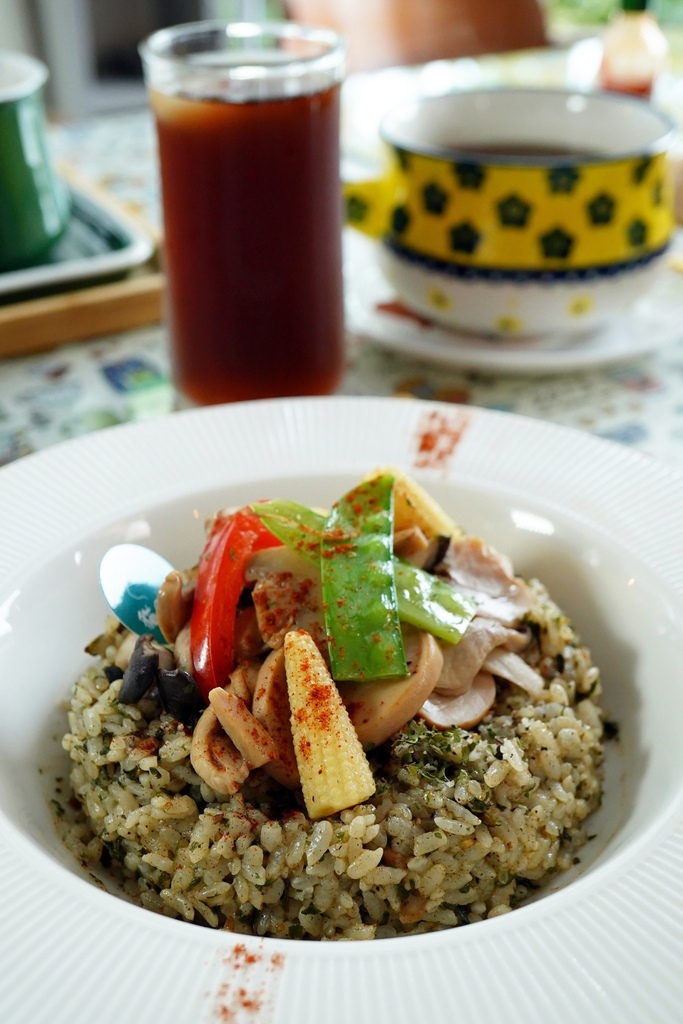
34	205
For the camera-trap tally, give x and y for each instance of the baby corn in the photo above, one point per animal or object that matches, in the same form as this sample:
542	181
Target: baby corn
414	507
333	768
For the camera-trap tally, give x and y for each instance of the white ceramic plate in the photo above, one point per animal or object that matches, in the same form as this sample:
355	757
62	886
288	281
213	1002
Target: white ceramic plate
373	311
600	524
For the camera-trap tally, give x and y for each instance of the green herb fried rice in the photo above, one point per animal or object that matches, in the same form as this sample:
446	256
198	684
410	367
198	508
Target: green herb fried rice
464	824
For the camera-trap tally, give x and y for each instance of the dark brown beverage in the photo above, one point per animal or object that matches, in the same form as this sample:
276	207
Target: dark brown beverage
252	223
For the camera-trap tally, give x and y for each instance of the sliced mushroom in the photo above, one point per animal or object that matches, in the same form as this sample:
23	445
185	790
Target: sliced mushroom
245	731
182	651
412	546
409	543
510	666
145	661
287	595
174	603
180	696
434	553
248	640
443	709
380	707
271	707
463	660
478	570
214	756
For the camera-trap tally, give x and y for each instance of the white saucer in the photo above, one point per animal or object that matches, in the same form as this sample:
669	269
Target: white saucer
654	321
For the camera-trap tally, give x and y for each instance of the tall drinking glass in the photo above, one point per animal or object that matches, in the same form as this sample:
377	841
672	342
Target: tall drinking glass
248	125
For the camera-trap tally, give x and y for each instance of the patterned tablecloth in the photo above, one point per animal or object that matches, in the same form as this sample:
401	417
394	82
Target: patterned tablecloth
87	386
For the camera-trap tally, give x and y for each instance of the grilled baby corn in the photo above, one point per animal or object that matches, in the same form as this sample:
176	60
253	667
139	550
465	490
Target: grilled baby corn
414	507
333	768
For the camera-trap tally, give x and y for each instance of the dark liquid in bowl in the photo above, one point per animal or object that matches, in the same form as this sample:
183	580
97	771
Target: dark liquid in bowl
522	149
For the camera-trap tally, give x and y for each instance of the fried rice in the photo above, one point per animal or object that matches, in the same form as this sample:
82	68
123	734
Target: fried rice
464	825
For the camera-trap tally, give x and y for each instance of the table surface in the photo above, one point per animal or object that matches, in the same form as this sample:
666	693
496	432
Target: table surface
87	386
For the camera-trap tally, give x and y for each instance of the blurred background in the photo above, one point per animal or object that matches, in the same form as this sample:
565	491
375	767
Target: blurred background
90	46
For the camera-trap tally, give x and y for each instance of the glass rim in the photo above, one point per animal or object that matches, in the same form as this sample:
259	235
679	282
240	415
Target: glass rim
157	47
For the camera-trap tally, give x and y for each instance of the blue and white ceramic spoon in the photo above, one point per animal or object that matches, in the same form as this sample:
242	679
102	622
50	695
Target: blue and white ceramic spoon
130	577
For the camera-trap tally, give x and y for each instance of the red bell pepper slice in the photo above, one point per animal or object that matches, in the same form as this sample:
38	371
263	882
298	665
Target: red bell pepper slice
220	580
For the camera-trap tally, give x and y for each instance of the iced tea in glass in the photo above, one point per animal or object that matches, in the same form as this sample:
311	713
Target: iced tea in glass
248	126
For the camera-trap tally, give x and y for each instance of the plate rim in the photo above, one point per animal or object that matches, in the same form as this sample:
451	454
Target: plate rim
296	417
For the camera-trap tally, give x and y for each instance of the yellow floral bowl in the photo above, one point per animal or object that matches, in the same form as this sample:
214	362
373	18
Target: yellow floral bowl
521	211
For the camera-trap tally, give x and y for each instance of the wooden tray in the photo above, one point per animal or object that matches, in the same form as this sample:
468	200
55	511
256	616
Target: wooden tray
87	311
